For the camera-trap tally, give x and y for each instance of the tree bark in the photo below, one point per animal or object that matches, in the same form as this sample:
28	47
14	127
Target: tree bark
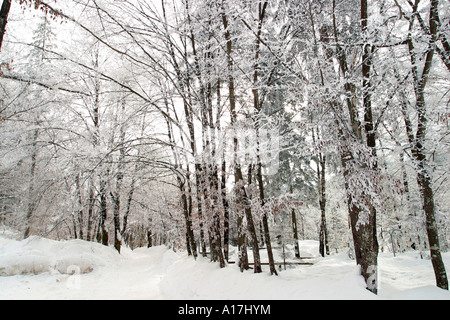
4	12
117	235
295	232
80	206
103	235
324	247
363	231
31	196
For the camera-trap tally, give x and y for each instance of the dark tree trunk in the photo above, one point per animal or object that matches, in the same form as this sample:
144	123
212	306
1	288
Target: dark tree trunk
80	206
117	235
128	207
149	239
6	6
273	269
321	191
425	184
226	220
295	232
103	214
417	141
324	247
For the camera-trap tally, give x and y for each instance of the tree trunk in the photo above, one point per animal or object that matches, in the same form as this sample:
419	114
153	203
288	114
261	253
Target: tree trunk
117	235
324	247
184	185
226	208
215	229
426	189
6	6
223	183
321	191
103	214
90	211
80	206
199	182
360	203
128	207
238	177
363	230
258	108
31	196
371	143
417	141
149	239
295	232
273	269
213	176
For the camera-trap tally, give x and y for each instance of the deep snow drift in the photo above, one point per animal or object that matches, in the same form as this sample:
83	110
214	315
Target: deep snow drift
39	268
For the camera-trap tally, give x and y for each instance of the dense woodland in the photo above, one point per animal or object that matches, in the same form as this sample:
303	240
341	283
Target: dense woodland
206	124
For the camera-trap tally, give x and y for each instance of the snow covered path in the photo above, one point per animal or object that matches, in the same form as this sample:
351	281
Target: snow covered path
159	273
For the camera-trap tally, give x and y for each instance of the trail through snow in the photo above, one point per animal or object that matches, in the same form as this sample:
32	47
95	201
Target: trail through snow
39	268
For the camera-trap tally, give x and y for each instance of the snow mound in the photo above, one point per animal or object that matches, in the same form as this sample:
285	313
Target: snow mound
37	255
422	293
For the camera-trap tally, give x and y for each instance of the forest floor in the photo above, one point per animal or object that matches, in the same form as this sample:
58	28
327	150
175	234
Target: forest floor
39	268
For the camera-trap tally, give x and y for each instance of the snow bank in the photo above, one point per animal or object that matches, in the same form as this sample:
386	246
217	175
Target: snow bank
37	255
422	293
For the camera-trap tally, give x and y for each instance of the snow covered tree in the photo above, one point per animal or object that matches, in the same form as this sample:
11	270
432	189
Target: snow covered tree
421	68
200	124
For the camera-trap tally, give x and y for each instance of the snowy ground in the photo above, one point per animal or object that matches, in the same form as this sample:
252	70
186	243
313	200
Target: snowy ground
39	268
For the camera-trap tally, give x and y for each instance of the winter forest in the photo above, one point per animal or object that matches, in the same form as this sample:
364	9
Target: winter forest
209	125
